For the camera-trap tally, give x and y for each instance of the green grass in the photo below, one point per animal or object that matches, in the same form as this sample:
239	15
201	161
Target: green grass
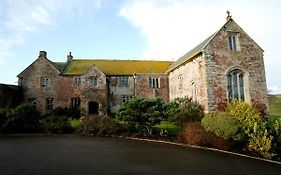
171	127
75	123
274	106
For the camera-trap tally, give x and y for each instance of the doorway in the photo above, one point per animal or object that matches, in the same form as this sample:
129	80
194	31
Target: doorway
93	107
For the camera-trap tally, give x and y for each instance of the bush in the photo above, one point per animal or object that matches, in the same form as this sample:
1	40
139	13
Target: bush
141	114
275	131
183	110
244	112
194	134
100	126
56	124
222	124
260	142
3	118
23	119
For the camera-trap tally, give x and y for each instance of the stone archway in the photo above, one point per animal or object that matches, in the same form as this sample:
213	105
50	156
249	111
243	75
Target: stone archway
93	107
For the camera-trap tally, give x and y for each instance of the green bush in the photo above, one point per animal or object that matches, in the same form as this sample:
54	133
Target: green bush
183	110
245	112
141	114
275	130
56	124
260	142
3	118
23	119
222	124
100	126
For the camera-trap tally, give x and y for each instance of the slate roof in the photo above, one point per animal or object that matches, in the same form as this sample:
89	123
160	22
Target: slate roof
117	67
189	55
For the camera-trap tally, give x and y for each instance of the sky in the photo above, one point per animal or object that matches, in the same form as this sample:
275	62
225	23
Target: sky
129	29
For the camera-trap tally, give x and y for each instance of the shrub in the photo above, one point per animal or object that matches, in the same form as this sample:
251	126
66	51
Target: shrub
245	113
260	142
275	131
100	126
3	118
183	110
22	119
222	124
141	114
194	134
56	124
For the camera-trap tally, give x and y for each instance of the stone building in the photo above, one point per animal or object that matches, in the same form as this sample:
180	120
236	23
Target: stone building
227	65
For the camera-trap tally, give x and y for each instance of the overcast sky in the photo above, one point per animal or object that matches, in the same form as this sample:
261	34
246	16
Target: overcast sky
129	29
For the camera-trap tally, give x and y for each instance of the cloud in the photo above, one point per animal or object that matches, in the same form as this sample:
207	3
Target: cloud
19	17
173	27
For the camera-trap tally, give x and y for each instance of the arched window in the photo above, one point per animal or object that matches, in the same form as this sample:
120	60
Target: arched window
235	85
193	91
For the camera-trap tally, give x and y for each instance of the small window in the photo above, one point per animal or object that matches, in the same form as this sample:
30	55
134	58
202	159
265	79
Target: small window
180	82
123	81
193	91
32	101
75	102
49	104
45	82
94	82
233	41
154	82
126	98
77	81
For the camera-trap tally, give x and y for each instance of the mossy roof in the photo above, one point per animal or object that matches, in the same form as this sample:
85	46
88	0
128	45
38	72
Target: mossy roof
117	67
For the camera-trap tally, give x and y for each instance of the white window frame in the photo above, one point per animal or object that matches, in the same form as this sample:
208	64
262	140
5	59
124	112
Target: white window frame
45	81
123	81
154	82
77	81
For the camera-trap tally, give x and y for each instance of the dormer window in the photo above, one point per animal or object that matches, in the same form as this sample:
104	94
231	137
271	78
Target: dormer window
233	43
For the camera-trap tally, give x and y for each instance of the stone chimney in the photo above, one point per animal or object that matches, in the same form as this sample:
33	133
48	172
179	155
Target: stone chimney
228	15
69	57
43	54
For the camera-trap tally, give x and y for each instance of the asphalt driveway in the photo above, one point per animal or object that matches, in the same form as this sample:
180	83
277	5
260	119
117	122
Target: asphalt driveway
58	155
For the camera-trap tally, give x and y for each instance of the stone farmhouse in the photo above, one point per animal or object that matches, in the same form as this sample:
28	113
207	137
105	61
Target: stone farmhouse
227	65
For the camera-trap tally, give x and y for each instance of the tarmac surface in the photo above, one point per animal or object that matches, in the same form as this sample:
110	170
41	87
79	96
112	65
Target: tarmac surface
70	154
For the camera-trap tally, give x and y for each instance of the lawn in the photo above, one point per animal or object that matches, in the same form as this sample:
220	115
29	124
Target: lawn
171	127
274	106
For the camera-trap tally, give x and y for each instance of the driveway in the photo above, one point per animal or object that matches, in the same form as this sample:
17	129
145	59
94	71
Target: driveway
58	155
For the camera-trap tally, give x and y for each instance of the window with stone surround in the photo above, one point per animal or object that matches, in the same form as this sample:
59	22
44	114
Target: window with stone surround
123	81
235	85
180	78
44	82
94	82
75	102
49	104
77	81
233	43
193	91
154	82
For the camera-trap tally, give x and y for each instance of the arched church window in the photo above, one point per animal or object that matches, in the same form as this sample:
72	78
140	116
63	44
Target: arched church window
235	85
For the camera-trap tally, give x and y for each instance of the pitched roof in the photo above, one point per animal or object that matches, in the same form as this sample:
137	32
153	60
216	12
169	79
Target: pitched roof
117	67
59	65
189	55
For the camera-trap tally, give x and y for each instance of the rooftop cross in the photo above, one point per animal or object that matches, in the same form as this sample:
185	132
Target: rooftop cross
228	15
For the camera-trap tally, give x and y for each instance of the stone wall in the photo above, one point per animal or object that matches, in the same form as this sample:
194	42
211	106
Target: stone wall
143	89
190	80
220	60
